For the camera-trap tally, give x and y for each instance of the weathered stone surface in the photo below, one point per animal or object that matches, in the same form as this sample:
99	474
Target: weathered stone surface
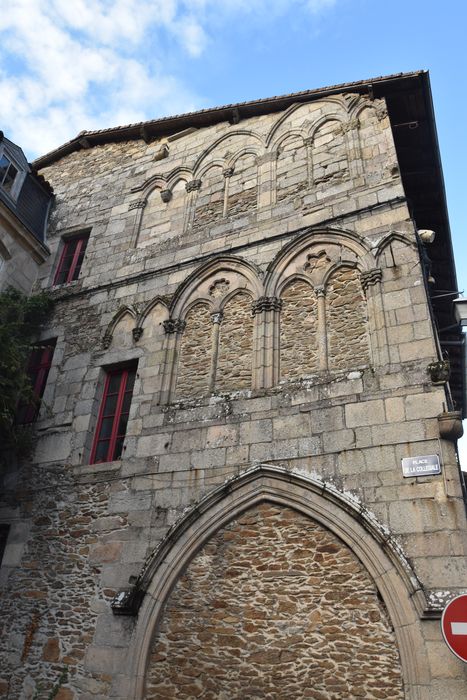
326	381
299	352
234	365
347	323
195	353
274	606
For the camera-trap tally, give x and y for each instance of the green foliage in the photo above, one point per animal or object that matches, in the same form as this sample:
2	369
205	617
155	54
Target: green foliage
21	319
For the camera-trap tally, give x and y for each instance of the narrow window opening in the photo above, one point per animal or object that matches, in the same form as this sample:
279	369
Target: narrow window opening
71	259
4	531
40	362
113	415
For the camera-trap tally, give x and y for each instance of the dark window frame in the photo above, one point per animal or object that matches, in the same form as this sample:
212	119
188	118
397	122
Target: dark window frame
4	533
13	186
113	415
40	362
71	258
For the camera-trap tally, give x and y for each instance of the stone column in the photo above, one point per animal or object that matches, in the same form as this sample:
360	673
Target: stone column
138	205
266	165
266	355
228	172
173	328
309	159
371	284
322	333
192	188
216	327
352	143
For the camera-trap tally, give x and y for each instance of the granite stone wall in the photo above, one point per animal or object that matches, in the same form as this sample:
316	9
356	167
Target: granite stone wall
195	353
285	245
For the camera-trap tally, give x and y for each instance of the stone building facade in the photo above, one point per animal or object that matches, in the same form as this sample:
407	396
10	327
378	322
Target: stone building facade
250	335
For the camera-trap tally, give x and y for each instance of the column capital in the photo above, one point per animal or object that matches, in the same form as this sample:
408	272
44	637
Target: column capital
228	172
320	290
192	185
371	277
266	304
217	317
137	204
174	325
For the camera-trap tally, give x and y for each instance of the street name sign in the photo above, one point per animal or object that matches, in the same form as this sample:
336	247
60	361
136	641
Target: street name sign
425	465
454	626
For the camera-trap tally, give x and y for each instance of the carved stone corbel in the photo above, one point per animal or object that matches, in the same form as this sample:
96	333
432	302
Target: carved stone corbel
166	195
350	125
371	277
264	304
107	340
381	111
137	332
439	371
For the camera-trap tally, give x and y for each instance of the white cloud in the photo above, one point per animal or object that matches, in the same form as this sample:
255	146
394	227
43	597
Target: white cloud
68	65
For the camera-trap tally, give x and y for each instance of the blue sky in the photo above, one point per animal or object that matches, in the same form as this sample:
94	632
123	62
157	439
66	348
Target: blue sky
69	65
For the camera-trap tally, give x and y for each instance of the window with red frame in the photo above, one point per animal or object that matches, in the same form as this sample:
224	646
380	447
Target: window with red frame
71	259
39	365
113	415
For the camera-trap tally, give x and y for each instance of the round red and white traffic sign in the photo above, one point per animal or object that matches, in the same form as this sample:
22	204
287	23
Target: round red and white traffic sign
454	626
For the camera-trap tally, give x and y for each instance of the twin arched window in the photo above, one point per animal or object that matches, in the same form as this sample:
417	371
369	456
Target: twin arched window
216	348
316	328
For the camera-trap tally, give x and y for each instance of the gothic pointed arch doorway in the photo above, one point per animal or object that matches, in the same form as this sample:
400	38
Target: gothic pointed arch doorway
273	588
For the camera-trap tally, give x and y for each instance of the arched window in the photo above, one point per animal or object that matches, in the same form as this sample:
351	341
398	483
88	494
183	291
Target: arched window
346	320
195	353
234	364
298	331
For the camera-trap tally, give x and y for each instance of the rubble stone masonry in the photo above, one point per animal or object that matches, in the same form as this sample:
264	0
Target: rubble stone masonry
274	607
